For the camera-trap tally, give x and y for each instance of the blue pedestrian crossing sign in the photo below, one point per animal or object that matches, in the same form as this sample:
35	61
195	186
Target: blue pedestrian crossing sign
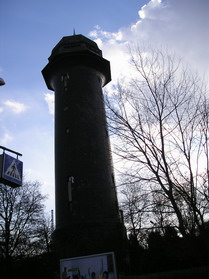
11	170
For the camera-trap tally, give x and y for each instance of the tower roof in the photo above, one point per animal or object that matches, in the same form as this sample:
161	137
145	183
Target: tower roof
75	44
76	50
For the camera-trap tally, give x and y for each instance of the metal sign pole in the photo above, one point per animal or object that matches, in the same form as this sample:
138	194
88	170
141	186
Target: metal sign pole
10	150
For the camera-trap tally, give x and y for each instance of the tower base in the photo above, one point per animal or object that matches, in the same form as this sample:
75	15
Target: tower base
92	238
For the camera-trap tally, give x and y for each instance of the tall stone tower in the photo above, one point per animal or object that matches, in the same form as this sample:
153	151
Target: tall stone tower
87	213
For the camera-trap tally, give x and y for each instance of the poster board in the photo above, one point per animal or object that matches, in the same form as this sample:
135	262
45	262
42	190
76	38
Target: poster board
97	266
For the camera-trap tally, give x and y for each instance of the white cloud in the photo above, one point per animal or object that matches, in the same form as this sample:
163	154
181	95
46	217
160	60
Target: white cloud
179	26
15	107
6	138
49	98
98	32
146	10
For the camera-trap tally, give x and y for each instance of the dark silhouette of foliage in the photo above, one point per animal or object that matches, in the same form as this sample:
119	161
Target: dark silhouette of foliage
24	230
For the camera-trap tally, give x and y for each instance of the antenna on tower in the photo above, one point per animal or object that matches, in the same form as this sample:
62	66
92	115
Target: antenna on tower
74	32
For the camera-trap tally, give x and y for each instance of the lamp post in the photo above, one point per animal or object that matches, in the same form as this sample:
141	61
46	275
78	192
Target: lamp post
10	168
2	82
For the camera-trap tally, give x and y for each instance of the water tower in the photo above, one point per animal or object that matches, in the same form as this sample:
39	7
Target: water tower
88	219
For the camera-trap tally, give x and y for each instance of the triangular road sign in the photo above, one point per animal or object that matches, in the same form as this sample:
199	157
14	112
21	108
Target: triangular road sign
12	171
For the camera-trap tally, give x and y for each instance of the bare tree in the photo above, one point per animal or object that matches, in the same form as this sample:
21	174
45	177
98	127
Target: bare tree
136	207
21	216
161	121
44	234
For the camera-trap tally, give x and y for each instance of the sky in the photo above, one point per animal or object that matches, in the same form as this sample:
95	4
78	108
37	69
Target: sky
29	31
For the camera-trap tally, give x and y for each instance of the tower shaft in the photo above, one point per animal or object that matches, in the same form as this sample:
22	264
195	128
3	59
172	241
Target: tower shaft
84	174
